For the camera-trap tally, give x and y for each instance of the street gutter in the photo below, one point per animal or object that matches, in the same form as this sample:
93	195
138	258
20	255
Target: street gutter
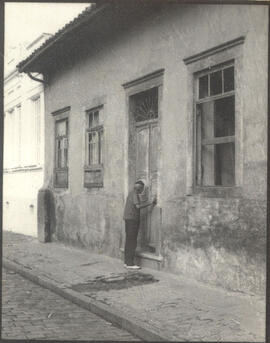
133	325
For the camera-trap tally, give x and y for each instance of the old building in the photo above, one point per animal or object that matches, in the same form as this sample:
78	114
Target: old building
176	95
23	142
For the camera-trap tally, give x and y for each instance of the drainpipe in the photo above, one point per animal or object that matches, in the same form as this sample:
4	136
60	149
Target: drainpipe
35	78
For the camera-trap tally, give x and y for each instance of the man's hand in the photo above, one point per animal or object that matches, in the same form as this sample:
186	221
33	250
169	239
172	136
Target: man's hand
155	201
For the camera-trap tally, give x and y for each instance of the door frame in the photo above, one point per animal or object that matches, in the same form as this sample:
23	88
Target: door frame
153	80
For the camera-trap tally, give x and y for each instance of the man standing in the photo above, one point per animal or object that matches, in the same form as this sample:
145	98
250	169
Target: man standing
132	222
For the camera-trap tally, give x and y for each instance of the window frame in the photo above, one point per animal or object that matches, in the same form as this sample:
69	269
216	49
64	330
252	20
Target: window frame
61	115
206	61
98	167
38	128
215	140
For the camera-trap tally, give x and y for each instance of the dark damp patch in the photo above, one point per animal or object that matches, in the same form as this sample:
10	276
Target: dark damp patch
114	281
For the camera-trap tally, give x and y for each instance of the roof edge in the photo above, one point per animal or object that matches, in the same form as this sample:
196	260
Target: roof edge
93	11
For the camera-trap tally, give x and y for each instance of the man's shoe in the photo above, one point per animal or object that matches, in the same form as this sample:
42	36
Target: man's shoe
134	267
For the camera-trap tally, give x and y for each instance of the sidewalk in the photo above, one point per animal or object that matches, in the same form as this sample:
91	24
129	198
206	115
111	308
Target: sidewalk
150	304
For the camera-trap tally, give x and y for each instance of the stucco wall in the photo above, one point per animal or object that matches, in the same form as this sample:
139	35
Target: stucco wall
19	194
218	240
23	152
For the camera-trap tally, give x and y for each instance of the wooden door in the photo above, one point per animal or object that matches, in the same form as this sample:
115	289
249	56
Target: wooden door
147	170
143	160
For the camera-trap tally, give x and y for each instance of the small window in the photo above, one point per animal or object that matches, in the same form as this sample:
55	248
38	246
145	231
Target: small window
61	153
215	129
93	170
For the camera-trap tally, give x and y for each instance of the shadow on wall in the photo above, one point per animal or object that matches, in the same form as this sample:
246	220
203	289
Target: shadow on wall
46	215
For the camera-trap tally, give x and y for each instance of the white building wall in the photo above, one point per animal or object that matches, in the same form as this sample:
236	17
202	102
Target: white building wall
23	150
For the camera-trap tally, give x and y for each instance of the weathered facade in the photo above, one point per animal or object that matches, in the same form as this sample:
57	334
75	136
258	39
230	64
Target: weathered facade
176	95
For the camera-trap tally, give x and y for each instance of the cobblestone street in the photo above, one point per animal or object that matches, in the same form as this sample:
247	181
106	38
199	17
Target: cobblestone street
32	312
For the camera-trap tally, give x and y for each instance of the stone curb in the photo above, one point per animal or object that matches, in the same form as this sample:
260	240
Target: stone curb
133	325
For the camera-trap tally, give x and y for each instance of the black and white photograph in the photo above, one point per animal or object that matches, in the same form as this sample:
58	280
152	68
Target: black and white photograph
135	153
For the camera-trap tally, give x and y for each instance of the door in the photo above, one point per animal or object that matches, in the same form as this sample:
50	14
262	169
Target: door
147	169
143	160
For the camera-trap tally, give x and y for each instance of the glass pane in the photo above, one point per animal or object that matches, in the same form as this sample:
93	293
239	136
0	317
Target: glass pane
59	153
225	164
203	86
90	116
228	76
100	147
63	160
216	83
145	105
224	117
218	165
61	128
207	119
217	118
96	121
65	145
93	148
208	165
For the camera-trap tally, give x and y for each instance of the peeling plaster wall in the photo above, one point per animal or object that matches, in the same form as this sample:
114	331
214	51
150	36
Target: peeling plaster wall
217	240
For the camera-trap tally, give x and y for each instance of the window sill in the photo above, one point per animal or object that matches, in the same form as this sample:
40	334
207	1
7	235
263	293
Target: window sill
93	185
23	169
218	191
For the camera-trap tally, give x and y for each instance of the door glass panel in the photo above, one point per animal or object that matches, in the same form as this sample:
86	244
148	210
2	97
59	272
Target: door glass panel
145	105
154	142
142	153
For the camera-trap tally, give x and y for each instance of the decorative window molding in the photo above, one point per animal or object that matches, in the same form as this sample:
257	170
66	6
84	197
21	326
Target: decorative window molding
144	79
62	110
93	169
214	50
144	83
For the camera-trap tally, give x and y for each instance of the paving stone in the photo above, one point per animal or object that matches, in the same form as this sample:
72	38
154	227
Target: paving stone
33	322
183	307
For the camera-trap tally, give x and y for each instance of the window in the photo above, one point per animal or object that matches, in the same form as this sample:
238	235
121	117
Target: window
37	120
215	127
61	153
93	171
13	133
18	138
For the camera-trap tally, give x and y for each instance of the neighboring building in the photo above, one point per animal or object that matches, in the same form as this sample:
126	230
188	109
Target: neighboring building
23	143
176	95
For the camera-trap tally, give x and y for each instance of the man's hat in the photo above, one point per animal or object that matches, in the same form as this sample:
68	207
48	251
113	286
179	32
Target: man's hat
139	182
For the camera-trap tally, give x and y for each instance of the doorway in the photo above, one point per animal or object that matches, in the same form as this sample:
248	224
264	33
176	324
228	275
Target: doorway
144	147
